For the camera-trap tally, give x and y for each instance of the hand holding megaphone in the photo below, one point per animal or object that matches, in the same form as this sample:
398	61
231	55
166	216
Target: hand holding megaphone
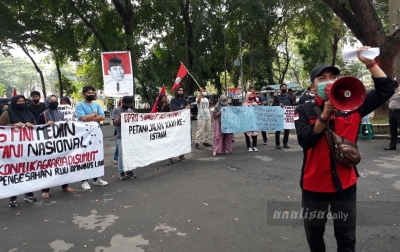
328	110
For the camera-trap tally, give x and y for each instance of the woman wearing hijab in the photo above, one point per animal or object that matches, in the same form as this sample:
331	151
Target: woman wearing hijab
253	134
3	108
18	115
163	105
222	142
49	116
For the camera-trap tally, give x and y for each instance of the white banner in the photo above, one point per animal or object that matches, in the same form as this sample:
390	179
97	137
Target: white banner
49	155
152	137
288	121
68	112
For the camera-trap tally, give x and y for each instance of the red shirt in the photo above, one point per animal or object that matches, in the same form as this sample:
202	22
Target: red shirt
316	171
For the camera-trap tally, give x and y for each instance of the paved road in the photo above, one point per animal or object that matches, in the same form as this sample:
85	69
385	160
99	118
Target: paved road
204	204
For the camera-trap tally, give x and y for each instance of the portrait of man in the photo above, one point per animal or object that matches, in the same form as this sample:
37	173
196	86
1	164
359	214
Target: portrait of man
117	74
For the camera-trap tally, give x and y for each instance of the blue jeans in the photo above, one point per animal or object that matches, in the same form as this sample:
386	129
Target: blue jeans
116	150
119	147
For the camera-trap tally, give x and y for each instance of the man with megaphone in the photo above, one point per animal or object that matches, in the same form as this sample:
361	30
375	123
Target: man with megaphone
341	103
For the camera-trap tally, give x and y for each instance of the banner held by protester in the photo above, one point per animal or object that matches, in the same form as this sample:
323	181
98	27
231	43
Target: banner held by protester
288	122
68	112
254	118
49	155
152	137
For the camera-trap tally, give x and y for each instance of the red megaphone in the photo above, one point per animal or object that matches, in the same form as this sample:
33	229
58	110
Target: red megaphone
346	93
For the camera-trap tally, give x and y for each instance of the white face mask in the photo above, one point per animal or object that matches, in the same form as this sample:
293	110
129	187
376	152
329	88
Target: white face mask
311	94
204	93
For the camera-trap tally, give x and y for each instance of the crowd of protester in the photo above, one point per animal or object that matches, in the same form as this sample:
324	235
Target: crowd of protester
323	181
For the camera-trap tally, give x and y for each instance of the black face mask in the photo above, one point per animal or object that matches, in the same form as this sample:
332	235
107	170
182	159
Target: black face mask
20	106
283	91
36	101
125	107
53	105
180	95
90	97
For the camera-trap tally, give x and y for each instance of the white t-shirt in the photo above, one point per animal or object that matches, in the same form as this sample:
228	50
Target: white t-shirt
203	109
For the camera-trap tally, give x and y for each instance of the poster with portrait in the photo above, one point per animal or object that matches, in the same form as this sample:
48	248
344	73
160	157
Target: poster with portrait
117	74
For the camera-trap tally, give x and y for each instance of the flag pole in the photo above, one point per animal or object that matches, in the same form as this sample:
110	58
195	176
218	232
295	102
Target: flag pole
190	75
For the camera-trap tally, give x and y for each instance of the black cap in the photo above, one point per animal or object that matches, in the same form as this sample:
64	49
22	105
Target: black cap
127	100
319	69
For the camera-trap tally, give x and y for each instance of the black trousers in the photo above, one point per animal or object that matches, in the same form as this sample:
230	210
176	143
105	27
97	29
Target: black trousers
285	137
264	135
344	225
248	141
394	123
15	197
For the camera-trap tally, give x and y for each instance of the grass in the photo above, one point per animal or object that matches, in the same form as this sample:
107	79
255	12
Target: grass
379	120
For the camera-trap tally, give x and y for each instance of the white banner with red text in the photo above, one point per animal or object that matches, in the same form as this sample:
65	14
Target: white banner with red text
45	156
147	138
288	121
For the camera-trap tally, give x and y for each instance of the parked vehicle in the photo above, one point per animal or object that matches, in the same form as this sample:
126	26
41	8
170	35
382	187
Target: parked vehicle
193	105
8	100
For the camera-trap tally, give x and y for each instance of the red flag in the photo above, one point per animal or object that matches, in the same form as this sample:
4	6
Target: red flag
180	75
15	92
162	91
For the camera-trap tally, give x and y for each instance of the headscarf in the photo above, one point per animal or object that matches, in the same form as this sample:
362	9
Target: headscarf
248	102
217	107
16	115
66	99
52	114
1	108
160	98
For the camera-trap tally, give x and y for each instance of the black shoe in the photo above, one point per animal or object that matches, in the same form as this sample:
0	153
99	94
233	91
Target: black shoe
122	176
196	145
169	162
207	144
390	148
286	146
265	142
30	198
130	174
12	203
278	146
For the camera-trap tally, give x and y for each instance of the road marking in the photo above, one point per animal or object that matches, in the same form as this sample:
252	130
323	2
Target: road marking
120	243
60	245
94	221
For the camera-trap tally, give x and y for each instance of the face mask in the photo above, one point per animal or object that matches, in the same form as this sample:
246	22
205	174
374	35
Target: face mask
204	93
53	105
90	97
320	89
283	91
125	107
251	98
180	95
20	106
311	95
36	101
224	103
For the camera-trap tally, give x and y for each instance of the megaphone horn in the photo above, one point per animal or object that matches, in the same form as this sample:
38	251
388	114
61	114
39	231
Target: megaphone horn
346	93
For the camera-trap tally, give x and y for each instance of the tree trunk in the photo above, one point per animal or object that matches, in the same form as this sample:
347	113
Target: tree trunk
59	78
361	18
36	67
126	15
336	39
89	25
189	44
